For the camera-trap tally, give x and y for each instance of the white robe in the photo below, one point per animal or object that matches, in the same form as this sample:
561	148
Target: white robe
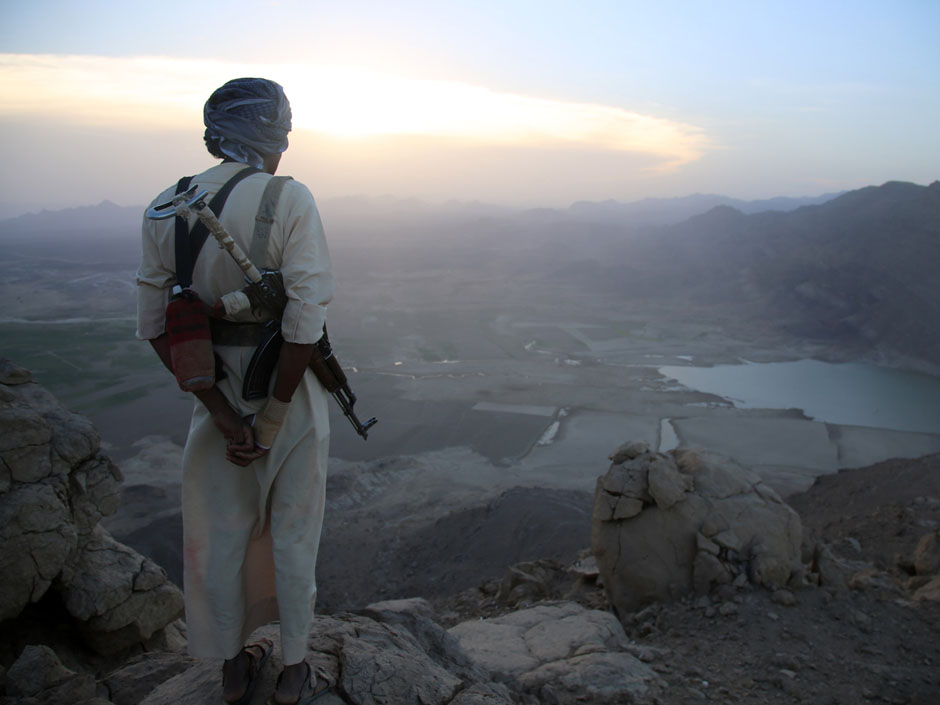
250	535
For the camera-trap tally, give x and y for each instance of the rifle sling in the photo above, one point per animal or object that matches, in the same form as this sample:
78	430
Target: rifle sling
189	243
258	373
264	219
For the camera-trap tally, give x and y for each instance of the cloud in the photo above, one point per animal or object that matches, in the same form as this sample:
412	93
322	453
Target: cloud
345	102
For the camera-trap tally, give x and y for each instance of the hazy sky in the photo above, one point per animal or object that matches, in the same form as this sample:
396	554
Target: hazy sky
535	103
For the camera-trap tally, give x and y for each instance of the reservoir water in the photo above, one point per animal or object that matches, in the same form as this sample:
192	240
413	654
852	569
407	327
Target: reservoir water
853	394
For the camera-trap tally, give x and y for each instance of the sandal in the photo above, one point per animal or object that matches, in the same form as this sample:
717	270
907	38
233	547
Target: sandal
318	682
255	664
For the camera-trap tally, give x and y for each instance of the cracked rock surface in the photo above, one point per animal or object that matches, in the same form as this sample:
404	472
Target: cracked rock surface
389	652
55	486
561	653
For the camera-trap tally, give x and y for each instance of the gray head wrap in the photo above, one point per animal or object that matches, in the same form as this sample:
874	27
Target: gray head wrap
246	119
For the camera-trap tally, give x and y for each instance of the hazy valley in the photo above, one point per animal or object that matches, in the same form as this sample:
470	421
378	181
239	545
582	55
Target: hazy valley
506	353
440	309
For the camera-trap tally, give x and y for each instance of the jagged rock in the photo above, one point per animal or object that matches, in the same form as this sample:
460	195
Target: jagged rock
629	480
628	451
481	695
834	572
560	653
708	571
607	678
626	491
927	554
12	374
120	597
135	680
56	486
706	545
387	665
391	652
729	539
95	491
524	582
417	616
585	566
35	669
37	537
929	592
666	484
38	674
24	447
766	567
73	437
704	520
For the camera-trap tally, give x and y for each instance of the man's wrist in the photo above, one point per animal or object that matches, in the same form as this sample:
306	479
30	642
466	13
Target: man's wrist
212	399
269	421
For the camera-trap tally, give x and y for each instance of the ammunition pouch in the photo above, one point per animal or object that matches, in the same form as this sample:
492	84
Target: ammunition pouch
263	362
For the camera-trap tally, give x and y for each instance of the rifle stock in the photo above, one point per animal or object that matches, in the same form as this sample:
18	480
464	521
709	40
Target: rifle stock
328	370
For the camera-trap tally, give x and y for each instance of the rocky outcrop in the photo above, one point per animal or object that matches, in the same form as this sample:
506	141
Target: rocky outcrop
667	525
561	653
390	652
55	486
924	567
39	675
395	652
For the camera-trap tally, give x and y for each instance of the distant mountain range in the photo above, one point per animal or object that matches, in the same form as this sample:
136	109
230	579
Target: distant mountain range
107	217
860	269
668	211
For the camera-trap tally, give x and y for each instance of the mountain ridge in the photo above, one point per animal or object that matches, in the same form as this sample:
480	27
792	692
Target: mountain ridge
859	269
647	211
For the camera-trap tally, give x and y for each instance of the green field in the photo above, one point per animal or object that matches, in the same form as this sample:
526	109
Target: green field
88	365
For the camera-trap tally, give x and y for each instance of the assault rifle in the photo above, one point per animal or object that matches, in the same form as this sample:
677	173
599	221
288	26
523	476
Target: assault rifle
266	290
323	363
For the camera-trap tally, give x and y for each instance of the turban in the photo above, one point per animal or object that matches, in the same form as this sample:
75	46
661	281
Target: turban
247	119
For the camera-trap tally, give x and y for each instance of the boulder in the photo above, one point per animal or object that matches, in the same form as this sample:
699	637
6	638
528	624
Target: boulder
929	592
927	554
834	572
628	451
55	486
561	653
39	675
702	521
119	597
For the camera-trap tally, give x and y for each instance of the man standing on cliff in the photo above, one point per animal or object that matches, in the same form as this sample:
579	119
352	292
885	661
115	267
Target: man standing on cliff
254	472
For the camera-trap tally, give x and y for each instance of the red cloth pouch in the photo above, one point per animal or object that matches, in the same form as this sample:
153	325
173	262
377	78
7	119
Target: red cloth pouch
187	327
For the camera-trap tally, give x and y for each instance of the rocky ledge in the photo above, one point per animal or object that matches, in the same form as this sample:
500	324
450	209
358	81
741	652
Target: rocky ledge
62	576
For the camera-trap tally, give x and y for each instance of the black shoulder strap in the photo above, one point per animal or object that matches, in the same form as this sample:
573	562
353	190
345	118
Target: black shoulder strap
189	244
182	227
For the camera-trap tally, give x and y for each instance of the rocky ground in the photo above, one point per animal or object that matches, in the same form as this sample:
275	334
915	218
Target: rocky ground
868	640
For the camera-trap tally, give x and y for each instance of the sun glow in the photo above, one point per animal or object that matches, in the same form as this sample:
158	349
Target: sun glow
359	103
344	102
